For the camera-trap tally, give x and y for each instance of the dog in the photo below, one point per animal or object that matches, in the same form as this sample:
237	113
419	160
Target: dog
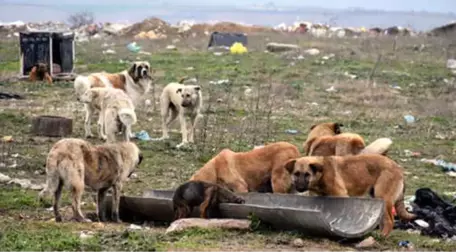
327	140
355	175
117	112
318	130
40	71
178	100
203	194
135	82
242	172
77	163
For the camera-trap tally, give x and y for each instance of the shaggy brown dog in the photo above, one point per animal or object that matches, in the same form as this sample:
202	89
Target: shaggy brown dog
77	163
205	195
40	72
355	175
327	140
318	130
249	171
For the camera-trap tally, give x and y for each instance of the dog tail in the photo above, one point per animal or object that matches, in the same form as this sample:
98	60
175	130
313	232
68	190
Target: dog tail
400	207
379	146
127	116
53	178
81	84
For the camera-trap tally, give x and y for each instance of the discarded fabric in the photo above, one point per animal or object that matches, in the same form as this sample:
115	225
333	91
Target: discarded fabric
143	135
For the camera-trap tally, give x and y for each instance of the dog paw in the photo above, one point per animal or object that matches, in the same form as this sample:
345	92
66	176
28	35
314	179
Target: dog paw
181	145
89	136
58	218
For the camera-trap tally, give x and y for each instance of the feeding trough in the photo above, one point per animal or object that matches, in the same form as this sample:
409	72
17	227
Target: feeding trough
318	216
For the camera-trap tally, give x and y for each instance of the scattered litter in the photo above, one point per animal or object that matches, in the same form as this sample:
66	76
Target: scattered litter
190	68
279	47
451	174
409	118
133	47
258	146
182	224
422	223
144	53
291	131
219	100
312	51
351	76
134	227
218	53
248	92
85	234
366	243
410	153
395	86
406	244
238	48
446	166
329	56
26	184
147	102
7	139
219	82
4	178
298	243
331	89
171	47
143	135
440	136
109	51
10	96
451	64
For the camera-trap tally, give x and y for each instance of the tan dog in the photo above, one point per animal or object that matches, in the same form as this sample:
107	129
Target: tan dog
250	171
135	82
178	100
327	140
117	111
77	163
40	72
318	130
355	175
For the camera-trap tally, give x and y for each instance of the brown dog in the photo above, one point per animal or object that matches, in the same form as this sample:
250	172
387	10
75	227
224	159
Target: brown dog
77	163
249	171
40	72
318	130
205	195
355	175
327	140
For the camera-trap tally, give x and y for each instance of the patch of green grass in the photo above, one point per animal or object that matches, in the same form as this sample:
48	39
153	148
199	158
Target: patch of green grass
13	123
14	198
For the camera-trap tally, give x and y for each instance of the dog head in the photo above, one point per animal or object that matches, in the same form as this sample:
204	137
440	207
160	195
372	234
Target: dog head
87	96
140	70
305	172
190	95
328	128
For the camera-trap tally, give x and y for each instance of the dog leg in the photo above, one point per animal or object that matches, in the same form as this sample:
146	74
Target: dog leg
208	195
33	74
87	122
48	78
167	118
101	125
101	211
194	120
183	124
57	196
77	191
116	190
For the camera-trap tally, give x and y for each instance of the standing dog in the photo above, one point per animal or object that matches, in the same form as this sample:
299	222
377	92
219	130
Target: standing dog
318	130
77	163
205	195
40	71
250	171
135	82
178	100
117	111
355	175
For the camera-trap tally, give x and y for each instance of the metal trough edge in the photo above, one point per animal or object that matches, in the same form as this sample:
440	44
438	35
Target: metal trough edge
317	216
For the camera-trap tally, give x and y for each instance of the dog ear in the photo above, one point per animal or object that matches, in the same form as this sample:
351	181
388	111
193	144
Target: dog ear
290	165
132	69
197	88
337	128
315	168
179	90
140	158
313	126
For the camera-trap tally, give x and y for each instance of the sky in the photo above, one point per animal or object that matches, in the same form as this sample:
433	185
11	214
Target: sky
174	10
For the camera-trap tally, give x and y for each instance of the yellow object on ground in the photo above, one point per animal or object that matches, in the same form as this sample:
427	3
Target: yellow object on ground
238	48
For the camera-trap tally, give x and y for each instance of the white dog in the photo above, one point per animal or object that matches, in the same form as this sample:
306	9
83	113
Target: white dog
178	100
135	81
117	111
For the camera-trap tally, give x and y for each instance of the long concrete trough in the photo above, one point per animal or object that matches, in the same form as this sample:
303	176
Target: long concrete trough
317	216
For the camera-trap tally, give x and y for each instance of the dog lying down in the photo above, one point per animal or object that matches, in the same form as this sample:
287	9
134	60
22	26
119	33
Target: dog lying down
77	163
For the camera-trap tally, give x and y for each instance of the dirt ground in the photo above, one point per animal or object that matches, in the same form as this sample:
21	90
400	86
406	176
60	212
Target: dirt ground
266	97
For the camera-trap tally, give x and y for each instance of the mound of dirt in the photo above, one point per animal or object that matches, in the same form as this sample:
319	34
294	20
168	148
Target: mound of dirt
150	25
229	27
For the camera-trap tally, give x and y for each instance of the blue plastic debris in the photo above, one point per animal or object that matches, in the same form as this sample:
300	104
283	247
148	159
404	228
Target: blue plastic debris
291	131
409	118
143	135
446	166
133	47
